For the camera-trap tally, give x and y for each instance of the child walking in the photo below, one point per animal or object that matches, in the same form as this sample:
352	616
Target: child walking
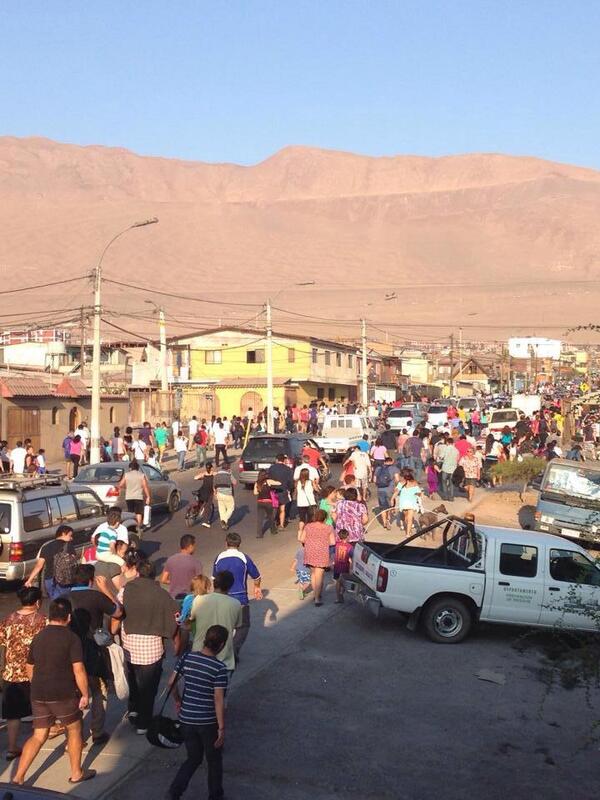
431	471
301	571
342	562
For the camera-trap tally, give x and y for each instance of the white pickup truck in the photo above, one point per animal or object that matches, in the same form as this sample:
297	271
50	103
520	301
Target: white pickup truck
341	432
479	573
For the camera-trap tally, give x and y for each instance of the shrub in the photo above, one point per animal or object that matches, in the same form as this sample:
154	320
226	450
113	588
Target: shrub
518	471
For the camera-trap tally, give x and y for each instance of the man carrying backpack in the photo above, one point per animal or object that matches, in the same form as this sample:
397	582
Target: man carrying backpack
386	478
59	560
201	441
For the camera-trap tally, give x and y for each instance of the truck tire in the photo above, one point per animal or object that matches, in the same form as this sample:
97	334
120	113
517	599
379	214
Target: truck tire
447	620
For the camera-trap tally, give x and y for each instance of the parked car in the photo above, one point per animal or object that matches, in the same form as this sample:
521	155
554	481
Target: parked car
503	418
103	479
479	573
437	415
408	416
471	403
342	432
262	450
8	791
569	500
31	509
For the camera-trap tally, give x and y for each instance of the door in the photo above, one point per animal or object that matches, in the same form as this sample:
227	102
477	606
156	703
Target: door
21	424
159	487
91	514
517	585
251	400
74	418
572	596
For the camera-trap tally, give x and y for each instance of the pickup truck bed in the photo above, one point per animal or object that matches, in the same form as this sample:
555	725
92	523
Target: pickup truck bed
424	556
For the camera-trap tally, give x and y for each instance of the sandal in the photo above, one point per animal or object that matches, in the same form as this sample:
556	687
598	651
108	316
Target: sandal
87	775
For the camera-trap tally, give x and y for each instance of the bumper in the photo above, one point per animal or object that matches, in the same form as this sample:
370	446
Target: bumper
582	536
365	596
248	477
17	571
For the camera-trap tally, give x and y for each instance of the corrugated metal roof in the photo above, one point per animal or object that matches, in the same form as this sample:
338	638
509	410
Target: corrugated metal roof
25	387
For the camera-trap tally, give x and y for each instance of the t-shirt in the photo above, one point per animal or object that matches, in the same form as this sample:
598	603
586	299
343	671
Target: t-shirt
180	444
241	566
313	473
202	675
462	445
18	455
378	452
92	601
145	435
50	550
313	456
364	446
52	654
108	569
361	463
160	436
220	435
192	427
216	609
139	449
108	536
284	474
182	567
450	461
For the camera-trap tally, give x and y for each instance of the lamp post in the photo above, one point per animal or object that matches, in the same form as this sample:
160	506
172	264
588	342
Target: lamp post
162	336
95	417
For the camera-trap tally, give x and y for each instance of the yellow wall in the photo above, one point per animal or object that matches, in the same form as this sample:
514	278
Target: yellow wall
229	399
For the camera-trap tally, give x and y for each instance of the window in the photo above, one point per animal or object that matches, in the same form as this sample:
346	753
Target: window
567	566
327	358
55	419
331	393
315	355
255	356
291	355
68	510
320	393
338	359
213	357
519	560
151	473
89	505
359	365
35	515
5	517
350	361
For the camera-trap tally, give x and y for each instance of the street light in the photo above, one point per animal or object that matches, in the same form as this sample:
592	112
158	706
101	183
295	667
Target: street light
162	335
95	420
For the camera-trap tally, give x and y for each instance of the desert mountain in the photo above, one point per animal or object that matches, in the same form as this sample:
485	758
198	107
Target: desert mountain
494	243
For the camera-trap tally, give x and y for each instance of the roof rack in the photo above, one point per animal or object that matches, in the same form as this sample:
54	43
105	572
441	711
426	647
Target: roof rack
20	482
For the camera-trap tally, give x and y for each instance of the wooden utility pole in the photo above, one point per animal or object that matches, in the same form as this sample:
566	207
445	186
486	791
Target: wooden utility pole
82	320
451	364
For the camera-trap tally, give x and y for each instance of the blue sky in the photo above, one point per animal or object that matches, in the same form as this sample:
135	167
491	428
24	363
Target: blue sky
236	81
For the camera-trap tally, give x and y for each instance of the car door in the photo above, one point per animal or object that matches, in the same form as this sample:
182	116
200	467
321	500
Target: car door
91	512
518	584
159	487
572	595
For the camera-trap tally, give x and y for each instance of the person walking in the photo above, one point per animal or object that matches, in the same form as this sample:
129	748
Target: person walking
180	568
202	713
306	502
161	438
59	690
265	491
224	484
283	473
150	617
17	631
181	445
241	567
66	446
193	426
57	558
386	478
407	497
447	469
351	515
206	495
317	537
221	439
472	467
200	441
140	449
218	608
137	491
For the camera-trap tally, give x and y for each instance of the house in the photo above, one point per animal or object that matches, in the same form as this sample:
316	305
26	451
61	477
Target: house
45	408
223	371
416	365
384	372
469	377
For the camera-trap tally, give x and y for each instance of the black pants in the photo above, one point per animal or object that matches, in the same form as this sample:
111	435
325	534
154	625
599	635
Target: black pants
269	512
220	450
143	686
241	634
75	460
207	510
199	741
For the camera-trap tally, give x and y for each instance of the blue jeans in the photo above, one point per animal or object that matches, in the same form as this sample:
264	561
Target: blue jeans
384	495
447	487
416	464
181	459
53	589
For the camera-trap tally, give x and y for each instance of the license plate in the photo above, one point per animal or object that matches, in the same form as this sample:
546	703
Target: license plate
263	466
571	533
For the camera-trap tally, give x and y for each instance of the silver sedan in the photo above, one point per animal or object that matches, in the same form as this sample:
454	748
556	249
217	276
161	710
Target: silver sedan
104	479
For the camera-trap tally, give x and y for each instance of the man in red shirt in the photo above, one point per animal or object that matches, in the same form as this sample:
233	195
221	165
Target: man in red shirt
463	446
313	455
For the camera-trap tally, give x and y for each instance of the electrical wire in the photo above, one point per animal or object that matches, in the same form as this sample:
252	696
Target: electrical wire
44	285
180	296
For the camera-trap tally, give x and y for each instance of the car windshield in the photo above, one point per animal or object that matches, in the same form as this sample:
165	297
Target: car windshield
505	416
400	412
99	473
264	449
5	517
437	410
469	403
573	481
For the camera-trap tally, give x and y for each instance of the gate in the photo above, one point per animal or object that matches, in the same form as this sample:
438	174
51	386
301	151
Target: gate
251	400
21	424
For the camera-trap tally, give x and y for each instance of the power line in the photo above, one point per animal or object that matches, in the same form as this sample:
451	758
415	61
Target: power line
44	285
180	296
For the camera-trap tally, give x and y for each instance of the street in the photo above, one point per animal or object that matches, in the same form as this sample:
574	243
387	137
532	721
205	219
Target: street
329	702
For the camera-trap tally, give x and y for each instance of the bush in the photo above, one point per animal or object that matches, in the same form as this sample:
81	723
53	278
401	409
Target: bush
518	471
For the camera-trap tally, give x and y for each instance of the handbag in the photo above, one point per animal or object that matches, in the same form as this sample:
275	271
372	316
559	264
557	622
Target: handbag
274	499
163	731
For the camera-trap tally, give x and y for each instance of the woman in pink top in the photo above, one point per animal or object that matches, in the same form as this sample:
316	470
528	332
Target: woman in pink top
75	453
317	538
378	454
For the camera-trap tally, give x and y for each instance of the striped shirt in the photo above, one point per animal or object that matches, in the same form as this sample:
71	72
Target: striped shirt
202	675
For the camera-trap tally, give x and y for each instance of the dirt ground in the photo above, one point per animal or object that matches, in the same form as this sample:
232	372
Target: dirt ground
505	506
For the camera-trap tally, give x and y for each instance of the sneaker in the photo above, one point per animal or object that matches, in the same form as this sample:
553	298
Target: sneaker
224	525
141	731
301	593
206	524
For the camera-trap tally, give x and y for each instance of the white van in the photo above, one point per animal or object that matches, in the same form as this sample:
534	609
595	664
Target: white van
341	432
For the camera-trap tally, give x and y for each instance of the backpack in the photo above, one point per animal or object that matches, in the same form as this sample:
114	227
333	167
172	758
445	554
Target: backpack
200	437
65	564
383	478
222	481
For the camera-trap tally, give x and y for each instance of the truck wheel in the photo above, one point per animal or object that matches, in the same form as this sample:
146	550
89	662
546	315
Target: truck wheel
447	620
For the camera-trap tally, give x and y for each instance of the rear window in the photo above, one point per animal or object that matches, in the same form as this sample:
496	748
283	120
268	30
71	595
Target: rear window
98	474
35	515
468	402
437	410
504	416
400	412
5	517
265	449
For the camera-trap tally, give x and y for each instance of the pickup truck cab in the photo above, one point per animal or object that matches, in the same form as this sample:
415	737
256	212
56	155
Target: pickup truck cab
478	573
342	432
569	500
503	418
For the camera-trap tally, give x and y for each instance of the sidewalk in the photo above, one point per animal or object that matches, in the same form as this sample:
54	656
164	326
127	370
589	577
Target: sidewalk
279	622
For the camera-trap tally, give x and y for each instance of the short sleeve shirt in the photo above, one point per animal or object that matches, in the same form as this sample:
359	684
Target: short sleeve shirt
50	550
52	655
94	603
202	675
181	567
108	536
216	609
241	567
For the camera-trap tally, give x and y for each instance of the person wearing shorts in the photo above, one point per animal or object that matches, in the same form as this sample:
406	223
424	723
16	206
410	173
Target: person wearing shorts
137	491
472	467
59	690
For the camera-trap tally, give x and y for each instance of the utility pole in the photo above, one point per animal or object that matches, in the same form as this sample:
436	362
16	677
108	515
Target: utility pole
460	353
365	386
95	416
82	344
451	364
164	366
269	360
